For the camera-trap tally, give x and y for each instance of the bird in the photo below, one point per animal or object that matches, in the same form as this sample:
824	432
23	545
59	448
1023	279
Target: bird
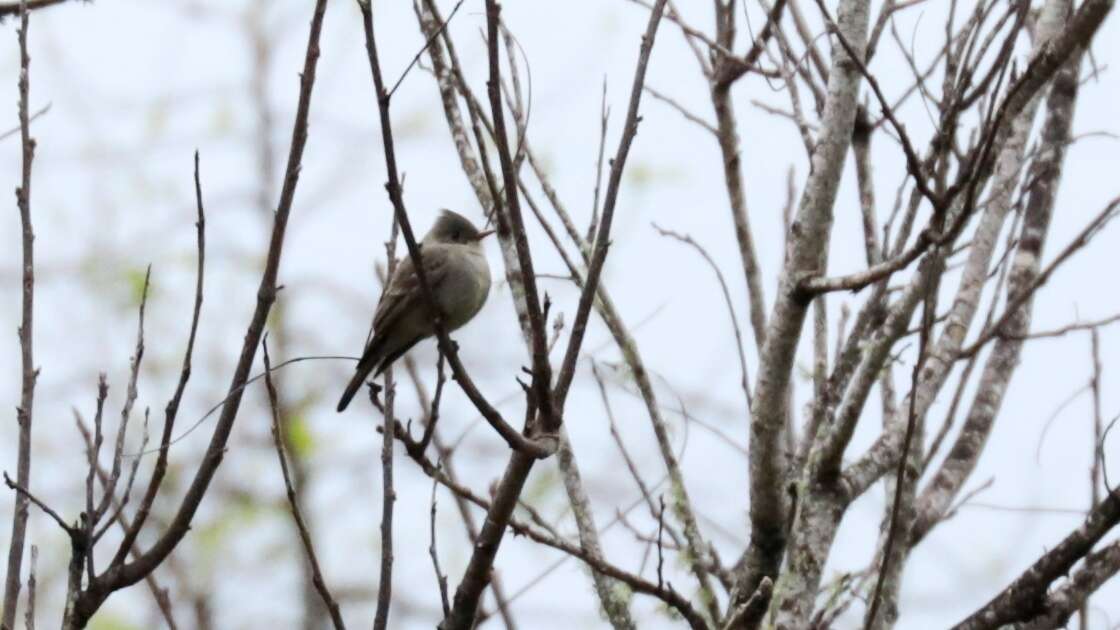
456	270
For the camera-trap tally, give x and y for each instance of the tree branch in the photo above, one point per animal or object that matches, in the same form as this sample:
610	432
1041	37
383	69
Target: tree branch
1025	597
297	514
29	374
517	471
117	577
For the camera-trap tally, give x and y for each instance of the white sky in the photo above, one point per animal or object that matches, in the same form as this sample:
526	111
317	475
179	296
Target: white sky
135	86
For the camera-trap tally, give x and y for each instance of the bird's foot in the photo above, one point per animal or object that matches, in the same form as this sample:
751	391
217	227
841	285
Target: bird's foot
375	395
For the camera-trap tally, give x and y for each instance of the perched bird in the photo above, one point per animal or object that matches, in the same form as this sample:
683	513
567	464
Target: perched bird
456	271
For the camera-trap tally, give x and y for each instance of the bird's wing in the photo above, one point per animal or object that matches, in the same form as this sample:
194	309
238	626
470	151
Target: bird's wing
404	290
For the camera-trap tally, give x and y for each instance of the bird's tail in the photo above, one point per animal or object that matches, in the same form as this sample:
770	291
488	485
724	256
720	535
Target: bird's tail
379	355
365	366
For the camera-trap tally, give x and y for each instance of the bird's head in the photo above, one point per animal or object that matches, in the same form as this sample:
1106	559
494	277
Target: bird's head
454	228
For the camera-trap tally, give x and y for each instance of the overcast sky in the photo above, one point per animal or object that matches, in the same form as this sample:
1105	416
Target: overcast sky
134	87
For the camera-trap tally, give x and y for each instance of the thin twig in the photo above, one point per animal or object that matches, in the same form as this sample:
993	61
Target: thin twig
26	494
1064	330
14	130
688	115
94	458
638	584
126	411
660	547
172	409
388	493
744	381
1081	240
604	117
433	411
550	401
120	505
28	373
913	163
462	504
159	594
602	236
427	45
440	577
297	514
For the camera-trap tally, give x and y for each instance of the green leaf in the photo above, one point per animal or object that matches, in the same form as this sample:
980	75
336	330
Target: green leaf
640	174
541	485
300	438
110	621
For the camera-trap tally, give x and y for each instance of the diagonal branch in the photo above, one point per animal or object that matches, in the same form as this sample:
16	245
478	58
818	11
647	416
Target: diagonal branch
1098	568
117	577
1094	226
1023	598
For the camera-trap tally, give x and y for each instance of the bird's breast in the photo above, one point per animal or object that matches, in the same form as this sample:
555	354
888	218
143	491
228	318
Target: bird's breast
470	280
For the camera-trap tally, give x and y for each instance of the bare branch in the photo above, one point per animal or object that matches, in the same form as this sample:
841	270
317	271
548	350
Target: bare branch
1098	568
1025	597
17	8
729	69
604	117
806	254
688	240
159	594
172	409
388	493
751	612
26	494
297	514
447	471
1081	240
906	478
725	71
602	234
470	589
126	411
13	131
117	577
510	221
419	53
1023	277
1064	330
635	582
28	372
682	110
440	577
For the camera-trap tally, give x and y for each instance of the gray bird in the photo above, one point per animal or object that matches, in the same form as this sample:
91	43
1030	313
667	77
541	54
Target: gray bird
456	270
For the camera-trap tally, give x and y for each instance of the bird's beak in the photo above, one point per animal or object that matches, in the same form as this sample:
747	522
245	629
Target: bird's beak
484	234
